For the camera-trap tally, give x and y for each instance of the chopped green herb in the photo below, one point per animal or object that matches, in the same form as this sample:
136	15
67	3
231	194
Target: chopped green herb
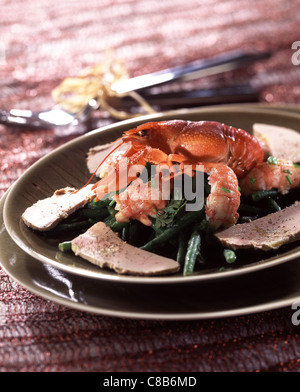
272	160
289	179
287	171
296	165
226	190
252	180
230	256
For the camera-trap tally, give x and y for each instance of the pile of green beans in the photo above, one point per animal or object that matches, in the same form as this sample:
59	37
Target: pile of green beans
187	238
259	204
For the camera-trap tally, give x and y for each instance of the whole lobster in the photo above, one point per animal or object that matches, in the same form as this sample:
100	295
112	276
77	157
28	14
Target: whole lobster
225	153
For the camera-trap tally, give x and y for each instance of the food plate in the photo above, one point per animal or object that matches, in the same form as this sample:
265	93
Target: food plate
248	294
66	166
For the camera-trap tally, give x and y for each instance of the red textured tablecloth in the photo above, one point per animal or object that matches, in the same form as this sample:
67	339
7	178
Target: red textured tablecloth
43	42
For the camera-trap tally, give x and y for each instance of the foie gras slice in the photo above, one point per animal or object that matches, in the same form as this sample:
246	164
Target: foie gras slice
266	233
47	213
102	246
280	142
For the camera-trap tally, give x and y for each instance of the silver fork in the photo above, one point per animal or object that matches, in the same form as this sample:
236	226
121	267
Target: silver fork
201	68
47	119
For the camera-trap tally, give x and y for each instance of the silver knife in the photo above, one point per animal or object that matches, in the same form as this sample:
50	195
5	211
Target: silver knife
194	70
200	68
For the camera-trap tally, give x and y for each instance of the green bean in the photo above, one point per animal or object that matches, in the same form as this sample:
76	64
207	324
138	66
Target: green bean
125	233
116	226
173	230
99	204
274	207
182	247
192	252
109	220
247	209
247	218
96	213
229	255
70	227
111	208
260	195
201	259
65	246
133	232
203	225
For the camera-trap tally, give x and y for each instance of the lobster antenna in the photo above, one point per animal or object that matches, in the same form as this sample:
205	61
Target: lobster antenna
93	175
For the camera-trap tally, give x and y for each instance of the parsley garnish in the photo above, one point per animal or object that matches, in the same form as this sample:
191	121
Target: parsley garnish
252	180
167	215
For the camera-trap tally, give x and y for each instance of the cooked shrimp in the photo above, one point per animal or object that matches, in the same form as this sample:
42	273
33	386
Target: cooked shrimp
140	200
275	173
224	198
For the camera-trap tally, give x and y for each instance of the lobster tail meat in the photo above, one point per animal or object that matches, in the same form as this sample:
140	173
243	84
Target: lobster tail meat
280	174
224	198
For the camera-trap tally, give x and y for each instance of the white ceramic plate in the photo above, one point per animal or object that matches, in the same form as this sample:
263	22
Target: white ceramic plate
66	166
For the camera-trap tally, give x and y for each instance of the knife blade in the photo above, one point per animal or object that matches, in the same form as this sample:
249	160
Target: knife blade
194	70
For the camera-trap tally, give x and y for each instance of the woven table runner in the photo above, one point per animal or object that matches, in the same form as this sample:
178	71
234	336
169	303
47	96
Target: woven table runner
43	42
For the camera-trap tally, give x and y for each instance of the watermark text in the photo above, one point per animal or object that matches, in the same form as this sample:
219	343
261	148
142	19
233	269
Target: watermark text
296	54
296	315
157	183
